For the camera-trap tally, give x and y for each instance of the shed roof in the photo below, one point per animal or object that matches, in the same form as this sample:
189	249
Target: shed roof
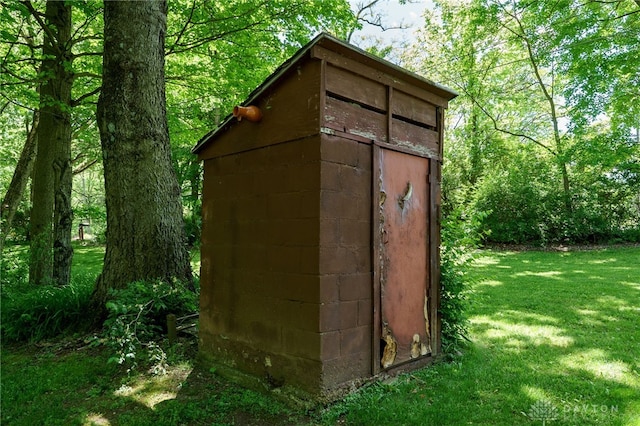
347	50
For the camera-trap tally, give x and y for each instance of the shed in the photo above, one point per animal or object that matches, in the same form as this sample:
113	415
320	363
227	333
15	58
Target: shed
320	234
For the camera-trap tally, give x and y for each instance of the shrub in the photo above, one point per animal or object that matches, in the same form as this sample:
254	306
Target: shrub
14	267
460	238
137	319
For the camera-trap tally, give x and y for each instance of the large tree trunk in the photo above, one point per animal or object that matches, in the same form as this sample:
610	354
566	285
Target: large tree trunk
19	180
63	216
54	152
145	231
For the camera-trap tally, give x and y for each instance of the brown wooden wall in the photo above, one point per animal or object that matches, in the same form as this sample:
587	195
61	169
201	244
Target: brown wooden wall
377	111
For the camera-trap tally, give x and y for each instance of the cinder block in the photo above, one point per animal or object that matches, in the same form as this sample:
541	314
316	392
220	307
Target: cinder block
329	288
355	340
330	343
355	286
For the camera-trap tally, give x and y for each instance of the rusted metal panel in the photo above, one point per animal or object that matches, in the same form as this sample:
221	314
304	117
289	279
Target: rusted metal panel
402	257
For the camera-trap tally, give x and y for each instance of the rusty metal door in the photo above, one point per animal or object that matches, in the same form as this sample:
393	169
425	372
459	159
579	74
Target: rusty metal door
401	257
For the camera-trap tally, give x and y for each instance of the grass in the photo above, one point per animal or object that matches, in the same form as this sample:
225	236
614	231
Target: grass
555	339
71	385
552	332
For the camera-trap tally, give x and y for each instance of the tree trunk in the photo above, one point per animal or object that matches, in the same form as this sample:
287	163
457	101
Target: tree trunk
145	231
19	180
63	217
54	149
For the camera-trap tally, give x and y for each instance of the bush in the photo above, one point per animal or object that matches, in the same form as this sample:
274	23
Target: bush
461	236
14	267
137	319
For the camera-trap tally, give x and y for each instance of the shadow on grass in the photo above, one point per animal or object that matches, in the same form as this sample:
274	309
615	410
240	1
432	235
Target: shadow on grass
69	386
566	326
555	339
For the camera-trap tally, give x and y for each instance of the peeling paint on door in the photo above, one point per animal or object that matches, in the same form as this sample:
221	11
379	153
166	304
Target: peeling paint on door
403	255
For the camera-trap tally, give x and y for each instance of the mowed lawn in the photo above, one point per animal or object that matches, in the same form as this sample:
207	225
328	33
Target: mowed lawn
555	340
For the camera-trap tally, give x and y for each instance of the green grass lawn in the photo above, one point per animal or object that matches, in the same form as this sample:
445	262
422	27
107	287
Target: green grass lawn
555	338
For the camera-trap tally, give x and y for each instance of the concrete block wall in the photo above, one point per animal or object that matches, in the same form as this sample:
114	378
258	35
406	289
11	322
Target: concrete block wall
286	262
260	300
345	260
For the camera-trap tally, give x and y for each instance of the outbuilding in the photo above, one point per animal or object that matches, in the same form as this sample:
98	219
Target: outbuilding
321	234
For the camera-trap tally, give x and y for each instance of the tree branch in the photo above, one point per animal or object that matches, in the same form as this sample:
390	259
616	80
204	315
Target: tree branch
78	101
84	166
502	130
42	24
184	28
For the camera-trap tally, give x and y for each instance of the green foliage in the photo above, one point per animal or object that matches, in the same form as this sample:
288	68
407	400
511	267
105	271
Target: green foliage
137	318
36	313
96	216
193	229
544	133
525	209
460	238
14	267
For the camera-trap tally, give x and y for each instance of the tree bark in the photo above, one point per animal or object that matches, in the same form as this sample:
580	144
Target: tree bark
145	231
63	218
54	153
19	180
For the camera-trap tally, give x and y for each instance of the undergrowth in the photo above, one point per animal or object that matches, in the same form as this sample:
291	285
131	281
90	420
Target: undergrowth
137	319
35	313
461	237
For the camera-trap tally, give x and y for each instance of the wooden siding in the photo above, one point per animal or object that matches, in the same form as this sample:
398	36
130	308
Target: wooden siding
291	110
